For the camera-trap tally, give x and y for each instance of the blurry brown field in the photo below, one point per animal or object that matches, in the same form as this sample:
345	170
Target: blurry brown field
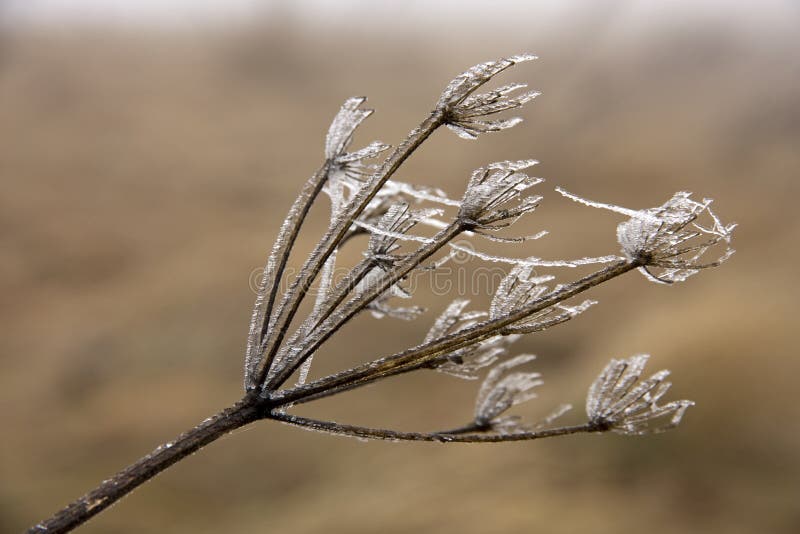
143	177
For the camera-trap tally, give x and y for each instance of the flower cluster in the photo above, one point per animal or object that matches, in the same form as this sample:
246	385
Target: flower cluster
618	401
669	237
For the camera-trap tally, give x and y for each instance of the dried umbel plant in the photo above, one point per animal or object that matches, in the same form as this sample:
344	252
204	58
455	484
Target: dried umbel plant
667	243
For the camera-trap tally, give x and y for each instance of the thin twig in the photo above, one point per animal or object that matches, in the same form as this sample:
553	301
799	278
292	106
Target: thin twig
441	437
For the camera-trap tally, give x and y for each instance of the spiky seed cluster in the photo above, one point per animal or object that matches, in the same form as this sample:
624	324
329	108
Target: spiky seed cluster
669	237
466	120
619	401
503	389
492	188
522	287
465	110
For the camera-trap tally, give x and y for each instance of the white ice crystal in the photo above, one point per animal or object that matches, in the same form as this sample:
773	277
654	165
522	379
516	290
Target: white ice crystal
618	401
669	237
503	389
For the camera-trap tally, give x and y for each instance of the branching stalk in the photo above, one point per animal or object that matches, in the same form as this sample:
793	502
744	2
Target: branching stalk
669	239
465	435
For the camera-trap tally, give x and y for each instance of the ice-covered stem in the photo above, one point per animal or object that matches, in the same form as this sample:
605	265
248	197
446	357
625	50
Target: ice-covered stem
113	489
468	434
287	235
422	355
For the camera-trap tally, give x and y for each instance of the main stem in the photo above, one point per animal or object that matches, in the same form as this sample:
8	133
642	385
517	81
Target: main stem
110	491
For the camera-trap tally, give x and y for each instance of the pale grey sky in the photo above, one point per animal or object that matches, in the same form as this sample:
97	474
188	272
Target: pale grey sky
219	12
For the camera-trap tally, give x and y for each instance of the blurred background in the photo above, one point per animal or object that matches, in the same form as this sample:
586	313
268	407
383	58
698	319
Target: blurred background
150	149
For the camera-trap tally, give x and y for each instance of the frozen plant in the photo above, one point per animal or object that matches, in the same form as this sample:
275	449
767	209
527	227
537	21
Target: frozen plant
667	243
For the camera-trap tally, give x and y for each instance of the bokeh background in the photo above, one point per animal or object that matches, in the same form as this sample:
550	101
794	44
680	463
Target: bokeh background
148	151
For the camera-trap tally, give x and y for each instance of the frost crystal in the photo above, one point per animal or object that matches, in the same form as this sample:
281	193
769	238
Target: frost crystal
615	401
668	237
464	110
503	389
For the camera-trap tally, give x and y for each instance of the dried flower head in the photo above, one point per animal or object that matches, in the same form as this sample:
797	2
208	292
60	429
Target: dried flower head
503	389
465	110
492	188
619	402
465	362
520	288
669	237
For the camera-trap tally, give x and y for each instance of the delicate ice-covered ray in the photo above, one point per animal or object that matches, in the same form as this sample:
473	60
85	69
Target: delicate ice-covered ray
560	410
593	204
669	238
503	389
619	401
420	193
532	261
520	239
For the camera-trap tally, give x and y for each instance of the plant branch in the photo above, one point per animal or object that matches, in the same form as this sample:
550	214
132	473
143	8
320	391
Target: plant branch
466	435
